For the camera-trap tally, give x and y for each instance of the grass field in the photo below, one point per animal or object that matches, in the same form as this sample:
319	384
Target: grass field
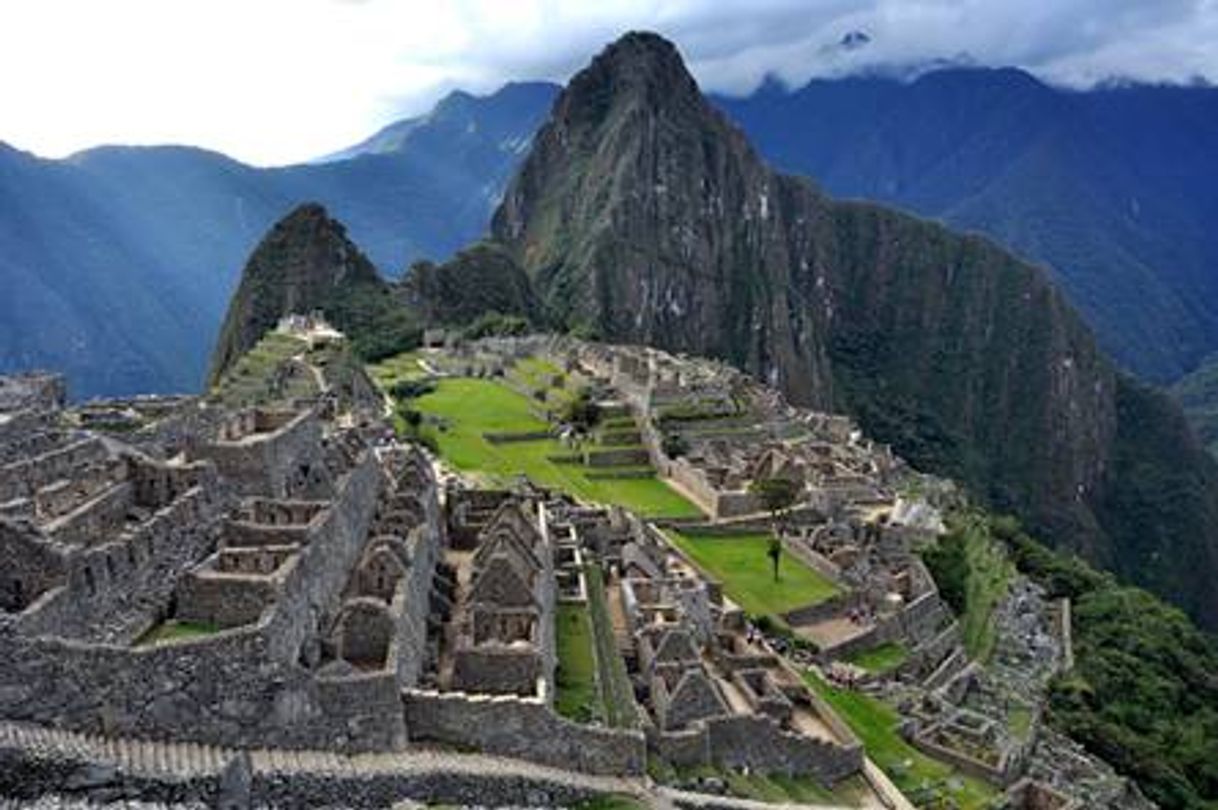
175	631
398	368
924	780
616	690
741	564
577	695
465	409
883	658
990	575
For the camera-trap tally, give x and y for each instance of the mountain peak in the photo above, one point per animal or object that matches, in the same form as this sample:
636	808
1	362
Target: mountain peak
303	263
309	219
639	65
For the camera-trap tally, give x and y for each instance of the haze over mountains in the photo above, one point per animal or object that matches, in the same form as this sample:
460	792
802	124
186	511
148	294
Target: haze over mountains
118	261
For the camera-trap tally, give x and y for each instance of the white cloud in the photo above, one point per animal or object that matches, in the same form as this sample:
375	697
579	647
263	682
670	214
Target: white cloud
274	81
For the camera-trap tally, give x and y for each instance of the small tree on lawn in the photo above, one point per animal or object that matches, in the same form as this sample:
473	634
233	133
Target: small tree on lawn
581	411
778	494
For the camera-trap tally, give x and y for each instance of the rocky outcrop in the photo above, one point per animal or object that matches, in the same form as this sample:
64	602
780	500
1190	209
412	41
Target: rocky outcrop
642	215
305	262
481	279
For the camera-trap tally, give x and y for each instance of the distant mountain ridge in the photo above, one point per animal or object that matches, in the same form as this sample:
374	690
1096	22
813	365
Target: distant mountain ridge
500	118
117	263
1114	189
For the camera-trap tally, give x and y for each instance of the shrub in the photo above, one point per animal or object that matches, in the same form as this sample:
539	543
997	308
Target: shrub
674	445
410	389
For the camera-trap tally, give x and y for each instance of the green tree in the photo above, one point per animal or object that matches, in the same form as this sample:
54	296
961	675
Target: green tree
581	411
778	494
774	552
674	445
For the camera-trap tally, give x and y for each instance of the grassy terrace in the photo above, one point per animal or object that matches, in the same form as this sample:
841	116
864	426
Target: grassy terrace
400	367
973	572
990	574
616	689
462	410
740	563
577	695
925	781
880	659
247	381
176	631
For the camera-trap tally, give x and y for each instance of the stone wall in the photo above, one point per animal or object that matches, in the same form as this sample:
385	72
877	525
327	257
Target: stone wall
23	478
617	457
758	743
114	589
271	463
240	687
688	748
226	600
31	566
498	668
27	774
525	728
412	606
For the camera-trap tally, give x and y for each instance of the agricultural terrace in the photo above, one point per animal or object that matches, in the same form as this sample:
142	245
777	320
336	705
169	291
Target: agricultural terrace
460	411
925	781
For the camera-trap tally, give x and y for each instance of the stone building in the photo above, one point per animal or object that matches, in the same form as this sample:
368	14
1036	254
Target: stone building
505	641
276	585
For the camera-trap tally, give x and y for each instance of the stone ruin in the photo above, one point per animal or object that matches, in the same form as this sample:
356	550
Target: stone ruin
735	432
713	693
273	586
504	639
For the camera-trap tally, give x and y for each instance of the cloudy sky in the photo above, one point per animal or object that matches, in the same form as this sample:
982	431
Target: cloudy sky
277	81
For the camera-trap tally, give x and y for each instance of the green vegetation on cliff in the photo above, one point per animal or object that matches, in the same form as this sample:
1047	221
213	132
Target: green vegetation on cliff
1198	396
1143	694
305	263
480	281
973	574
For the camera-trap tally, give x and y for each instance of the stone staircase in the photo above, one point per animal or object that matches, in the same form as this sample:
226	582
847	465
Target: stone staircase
144	757
183	761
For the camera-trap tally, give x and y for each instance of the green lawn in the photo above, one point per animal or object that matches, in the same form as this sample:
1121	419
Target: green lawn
174	630
464	409
616	689
1019	720
990	574
400	367
880	659
577	695
922	779
741	564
